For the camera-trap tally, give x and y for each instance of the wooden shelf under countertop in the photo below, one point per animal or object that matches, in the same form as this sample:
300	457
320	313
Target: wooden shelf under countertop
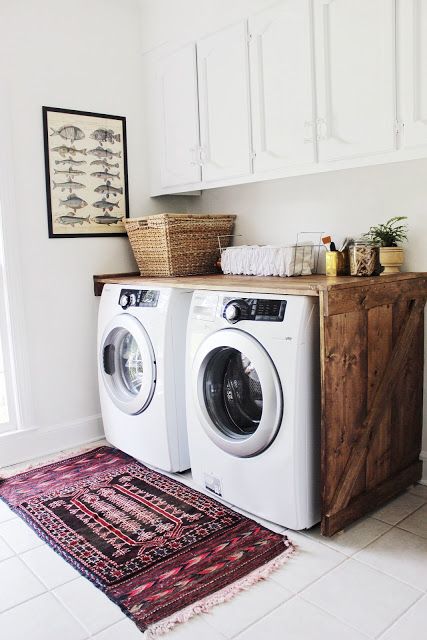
371	367
307	285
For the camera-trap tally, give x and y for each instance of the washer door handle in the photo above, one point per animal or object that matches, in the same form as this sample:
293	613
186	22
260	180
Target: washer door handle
108	359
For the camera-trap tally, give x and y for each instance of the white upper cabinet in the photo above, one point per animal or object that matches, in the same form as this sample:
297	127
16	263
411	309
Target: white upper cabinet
412	76
222	60
282	86
177	130
355	71
301	87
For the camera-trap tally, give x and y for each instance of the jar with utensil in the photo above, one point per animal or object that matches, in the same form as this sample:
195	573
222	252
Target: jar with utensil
364	258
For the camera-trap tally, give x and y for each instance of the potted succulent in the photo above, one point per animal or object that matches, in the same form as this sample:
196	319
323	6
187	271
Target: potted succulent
388	236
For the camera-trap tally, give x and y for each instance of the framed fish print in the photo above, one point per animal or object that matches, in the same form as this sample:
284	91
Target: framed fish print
86	173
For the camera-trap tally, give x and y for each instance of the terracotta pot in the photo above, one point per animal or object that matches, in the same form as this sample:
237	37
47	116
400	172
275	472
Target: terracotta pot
391	259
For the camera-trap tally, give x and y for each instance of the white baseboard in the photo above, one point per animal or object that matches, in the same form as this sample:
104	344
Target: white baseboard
423	457
20	446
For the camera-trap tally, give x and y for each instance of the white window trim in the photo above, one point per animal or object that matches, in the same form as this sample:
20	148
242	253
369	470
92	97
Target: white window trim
13	330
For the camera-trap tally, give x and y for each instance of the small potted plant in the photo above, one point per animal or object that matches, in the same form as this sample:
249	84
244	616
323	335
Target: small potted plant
388	236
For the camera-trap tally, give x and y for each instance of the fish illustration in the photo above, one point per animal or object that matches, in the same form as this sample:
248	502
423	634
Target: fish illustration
72	219
74	202
105	164
70	172
105	135
100	152
107	218
70	184
108	189
70	161
104	175
105	204
68	132
63	150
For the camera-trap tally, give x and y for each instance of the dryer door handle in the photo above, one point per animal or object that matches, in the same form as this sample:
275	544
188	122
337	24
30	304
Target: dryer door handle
108	359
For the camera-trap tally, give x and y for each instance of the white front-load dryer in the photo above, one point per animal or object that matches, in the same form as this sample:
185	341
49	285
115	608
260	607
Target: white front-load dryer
253	402
141	364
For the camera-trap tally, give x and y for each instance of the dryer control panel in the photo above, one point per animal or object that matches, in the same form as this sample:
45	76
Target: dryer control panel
257	309
138	298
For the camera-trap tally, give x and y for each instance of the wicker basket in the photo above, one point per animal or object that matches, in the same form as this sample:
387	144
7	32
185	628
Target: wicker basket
174	244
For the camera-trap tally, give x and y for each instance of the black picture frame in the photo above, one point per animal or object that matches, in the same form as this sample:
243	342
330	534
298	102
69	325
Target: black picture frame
106	228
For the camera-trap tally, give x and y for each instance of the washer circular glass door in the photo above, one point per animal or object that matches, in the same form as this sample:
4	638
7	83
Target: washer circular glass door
237	392
128	365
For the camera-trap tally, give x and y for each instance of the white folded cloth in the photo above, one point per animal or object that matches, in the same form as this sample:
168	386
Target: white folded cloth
268	260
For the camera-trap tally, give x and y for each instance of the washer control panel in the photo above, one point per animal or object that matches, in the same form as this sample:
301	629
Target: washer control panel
138	298
257	309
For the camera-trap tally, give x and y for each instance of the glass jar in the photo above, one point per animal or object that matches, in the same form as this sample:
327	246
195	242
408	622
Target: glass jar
364	258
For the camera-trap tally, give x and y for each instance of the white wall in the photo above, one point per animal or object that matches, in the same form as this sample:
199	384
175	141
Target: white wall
81	55
339	203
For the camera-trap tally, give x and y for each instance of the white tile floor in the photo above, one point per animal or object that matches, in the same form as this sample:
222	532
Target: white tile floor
368	582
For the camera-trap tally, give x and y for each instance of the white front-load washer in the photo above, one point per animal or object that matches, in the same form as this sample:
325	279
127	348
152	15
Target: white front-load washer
253	396
141	364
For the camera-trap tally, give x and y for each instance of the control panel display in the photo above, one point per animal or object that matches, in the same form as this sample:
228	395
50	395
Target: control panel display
138	298
257	309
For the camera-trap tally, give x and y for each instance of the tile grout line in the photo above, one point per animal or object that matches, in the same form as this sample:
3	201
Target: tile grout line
401	616
67	608
408	584
294	594
265	615
409	516
372	637
307	535
297	596
328	571
332	615
348	558
404	517
421	592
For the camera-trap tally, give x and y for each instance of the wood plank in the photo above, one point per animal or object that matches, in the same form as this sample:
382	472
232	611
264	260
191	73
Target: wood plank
324	424
297	285
390	378
345	397
372	499
347	282
374	295
380	343
407	416
301	285
100	281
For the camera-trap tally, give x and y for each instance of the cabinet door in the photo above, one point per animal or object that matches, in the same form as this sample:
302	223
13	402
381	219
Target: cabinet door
282	86
412	55
224	104
178	118
355	66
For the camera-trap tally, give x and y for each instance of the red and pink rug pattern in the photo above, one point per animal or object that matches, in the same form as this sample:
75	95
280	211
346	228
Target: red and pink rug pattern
157	548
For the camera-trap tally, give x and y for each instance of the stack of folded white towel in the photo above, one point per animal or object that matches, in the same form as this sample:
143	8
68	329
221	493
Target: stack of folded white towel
268	260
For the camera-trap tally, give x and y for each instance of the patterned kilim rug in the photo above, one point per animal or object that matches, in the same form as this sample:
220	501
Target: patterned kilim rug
158	549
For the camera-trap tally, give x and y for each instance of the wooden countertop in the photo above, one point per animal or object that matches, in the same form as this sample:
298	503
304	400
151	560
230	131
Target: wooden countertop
297	285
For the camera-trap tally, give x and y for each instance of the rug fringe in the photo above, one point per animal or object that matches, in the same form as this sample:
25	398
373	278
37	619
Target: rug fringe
224	595
15	470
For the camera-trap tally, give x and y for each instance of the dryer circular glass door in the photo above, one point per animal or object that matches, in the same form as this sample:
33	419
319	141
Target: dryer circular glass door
237	392
127	364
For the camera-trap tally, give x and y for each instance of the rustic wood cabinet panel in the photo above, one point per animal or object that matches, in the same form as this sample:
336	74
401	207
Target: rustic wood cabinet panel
371	397
372	357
